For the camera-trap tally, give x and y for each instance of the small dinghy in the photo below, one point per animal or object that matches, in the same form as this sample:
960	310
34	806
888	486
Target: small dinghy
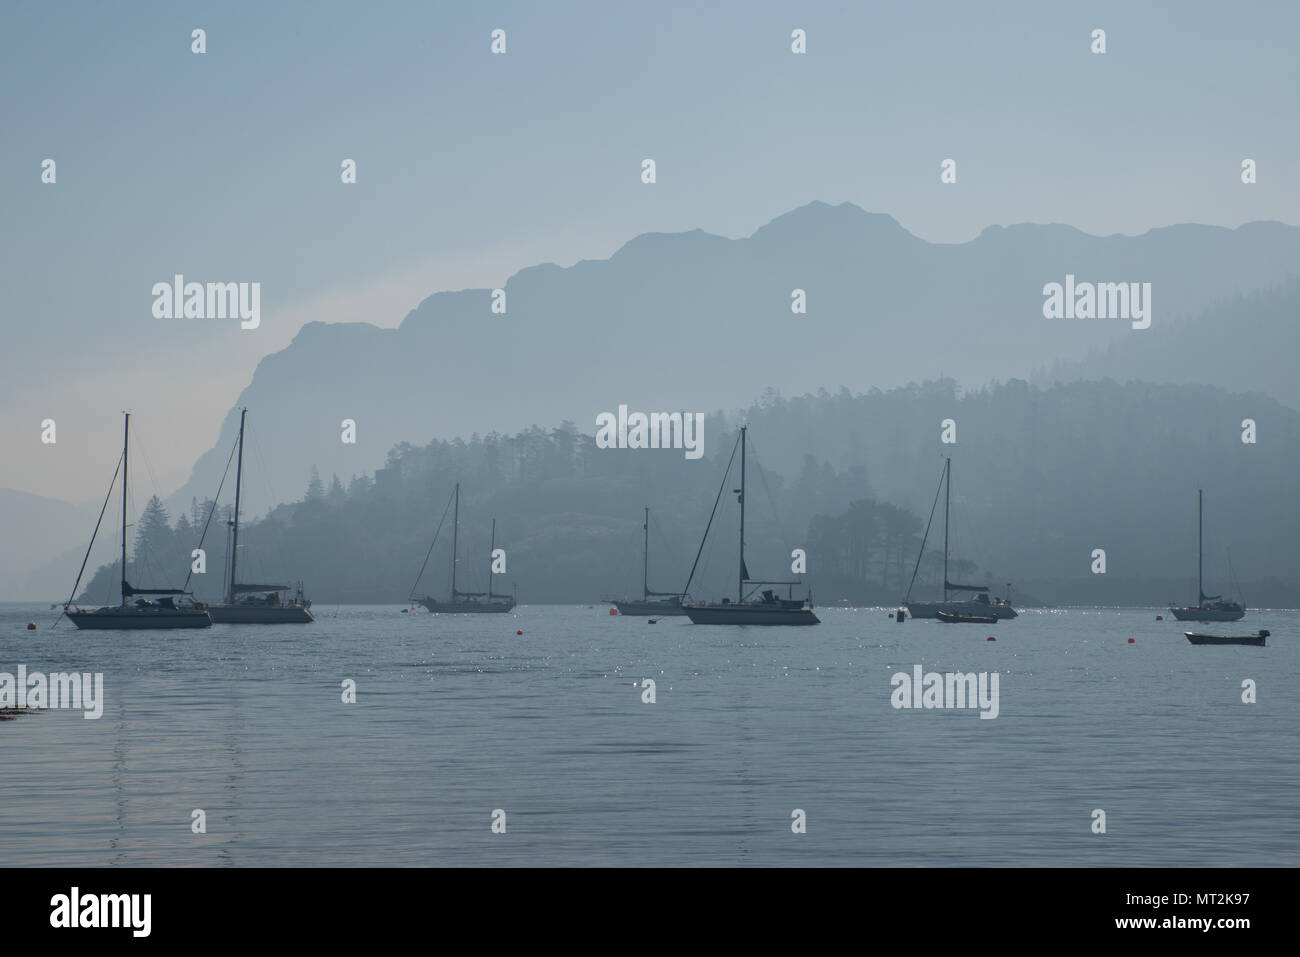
955	618
1257	639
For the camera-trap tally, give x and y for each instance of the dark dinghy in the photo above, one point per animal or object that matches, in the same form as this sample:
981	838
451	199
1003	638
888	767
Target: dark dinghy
1257	640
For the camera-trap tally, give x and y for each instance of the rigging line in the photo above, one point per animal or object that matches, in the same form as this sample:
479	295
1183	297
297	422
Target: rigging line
148	465
211	511
926	537
762	477
431	544
147	566
691	577
660	539
102	509
277	541
1233	575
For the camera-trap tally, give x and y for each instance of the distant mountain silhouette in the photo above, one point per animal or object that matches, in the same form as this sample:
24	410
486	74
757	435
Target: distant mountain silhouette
39	536
1247	343
695	321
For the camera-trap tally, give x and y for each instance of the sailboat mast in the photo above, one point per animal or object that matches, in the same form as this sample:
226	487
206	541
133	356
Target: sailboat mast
491	549
645	558
126	442
239	481
947	501
455	542
740	591
1200	518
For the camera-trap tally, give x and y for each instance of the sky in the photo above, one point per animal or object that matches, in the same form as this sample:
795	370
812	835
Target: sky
225	166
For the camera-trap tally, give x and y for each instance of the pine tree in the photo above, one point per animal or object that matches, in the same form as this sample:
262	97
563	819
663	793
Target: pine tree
315	487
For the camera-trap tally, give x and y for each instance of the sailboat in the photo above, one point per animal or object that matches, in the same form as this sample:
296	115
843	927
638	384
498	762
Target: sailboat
1208	607
465	602
248	604
967	609
654	603
143	613
768	609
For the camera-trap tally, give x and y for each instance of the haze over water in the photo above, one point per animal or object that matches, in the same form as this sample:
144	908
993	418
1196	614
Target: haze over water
456	717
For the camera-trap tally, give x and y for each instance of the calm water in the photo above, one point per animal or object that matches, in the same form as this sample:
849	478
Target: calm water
456	717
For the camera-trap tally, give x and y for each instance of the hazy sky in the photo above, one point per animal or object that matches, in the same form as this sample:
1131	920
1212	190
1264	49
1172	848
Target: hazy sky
225	166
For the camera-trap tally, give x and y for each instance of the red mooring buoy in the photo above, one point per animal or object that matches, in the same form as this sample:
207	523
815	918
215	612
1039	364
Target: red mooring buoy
613	611
1160	617
519	631
1130	641
991	638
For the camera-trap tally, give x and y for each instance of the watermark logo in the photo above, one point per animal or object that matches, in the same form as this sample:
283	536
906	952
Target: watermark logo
1103	300
63	690
952	691
179	299
102	910
656	430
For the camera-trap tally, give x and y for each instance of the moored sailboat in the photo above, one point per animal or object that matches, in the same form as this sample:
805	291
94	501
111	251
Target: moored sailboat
252	604
1207	607
463	602
142	613
768	609
963	609
653	603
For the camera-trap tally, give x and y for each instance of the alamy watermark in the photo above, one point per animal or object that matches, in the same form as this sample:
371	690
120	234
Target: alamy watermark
1102	300
70	690
179	299
654	430
923	689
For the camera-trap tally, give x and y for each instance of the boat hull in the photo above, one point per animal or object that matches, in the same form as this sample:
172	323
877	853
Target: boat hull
1257	640
260	614
650	609
496	607
955	619
931	609
133	619
1208	614
757	613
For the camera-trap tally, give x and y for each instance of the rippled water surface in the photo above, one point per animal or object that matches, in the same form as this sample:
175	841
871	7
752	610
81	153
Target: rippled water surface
458	716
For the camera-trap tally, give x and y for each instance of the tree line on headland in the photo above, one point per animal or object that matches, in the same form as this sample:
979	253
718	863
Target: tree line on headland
1042	477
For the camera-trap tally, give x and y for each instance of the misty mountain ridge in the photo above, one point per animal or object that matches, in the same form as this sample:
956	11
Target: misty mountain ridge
1247	342
694	321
